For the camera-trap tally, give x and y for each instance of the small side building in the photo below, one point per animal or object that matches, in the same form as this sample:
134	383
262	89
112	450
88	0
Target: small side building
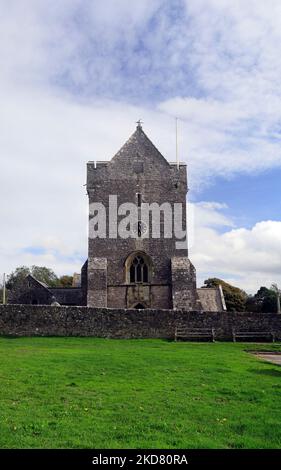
212	299
34	292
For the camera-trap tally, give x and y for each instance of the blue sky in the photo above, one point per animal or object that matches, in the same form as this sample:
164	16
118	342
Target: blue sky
250	198
77	74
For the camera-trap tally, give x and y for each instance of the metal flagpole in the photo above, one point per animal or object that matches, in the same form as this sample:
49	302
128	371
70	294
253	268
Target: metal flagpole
278	302
177	153
4	289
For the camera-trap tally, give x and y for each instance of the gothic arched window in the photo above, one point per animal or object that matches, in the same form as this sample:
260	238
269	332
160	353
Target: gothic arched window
138	268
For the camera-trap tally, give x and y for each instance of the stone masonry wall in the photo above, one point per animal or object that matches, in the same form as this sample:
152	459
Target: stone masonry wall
137	169
184	285
35	320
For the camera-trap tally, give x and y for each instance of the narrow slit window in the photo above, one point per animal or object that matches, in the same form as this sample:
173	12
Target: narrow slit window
139	228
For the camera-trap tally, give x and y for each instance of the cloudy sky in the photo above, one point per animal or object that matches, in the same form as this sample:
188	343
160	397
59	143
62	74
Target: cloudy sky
75	75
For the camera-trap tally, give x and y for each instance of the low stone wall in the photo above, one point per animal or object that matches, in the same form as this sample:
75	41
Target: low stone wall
38	320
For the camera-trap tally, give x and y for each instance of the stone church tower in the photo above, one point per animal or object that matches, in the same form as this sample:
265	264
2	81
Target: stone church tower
139	271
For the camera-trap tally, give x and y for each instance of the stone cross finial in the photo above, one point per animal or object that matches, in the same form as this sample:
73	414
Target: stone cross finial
139	124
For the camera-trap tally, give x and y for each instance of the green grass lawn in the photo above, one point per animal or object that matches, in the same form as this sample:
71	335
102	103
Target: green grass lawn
95	393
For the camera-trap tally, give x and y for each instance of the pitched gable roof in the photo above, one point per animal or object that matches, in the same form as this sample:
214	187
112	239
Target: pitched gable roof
42	284
139	146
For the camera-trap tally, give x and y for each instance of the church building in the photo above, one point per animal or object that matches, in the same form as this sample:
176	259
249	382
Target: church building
140	260
142	270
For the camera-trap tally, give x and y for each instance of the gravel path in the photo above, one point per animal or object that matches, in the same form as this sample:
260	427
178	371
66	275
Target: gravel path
274	358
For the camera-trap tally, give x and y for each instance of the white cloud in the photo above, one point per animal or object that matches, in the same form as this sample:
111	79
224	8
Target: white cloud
248	258
216	65
45	143
234	125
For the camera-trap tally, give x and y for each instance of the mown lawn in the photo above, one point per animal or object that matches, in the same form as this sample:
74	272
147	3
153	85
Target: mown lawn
95	393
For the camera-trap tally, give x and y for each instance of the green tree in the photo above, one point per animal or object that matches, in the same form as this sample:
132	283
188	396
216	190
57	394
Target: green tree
17	277
253	304
46	275
235	298
267	299
41	273
65	281
264	301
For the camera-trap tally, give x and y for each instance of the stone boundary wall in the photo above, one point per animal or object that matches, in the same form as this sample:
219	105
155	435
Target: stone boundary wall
39	320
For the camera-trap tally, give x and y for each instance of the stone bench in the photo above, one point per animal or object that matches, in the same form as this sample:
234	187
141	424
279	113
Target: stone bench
238	334
186	333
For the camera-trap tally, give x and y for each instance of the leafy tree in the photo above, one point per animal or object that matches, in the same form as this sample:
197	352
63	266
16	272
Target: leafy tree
267	299
235	298
41	273
252	305
45	275
17	277
65	281
263	301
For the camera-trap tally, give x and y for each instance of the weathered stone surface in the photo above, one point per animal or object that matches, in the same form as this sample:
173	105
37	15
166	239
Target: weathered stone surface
138	168
211	299
97	275
138	174
34	320
185	295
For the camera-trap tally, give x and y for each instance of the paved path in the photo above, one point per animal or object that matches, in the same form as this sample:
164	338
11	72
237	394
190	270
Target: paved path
274	358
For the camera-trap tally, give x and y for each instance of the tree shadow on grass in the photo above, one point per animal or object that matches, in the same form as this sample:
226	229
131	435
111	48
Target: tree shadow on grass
269	372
